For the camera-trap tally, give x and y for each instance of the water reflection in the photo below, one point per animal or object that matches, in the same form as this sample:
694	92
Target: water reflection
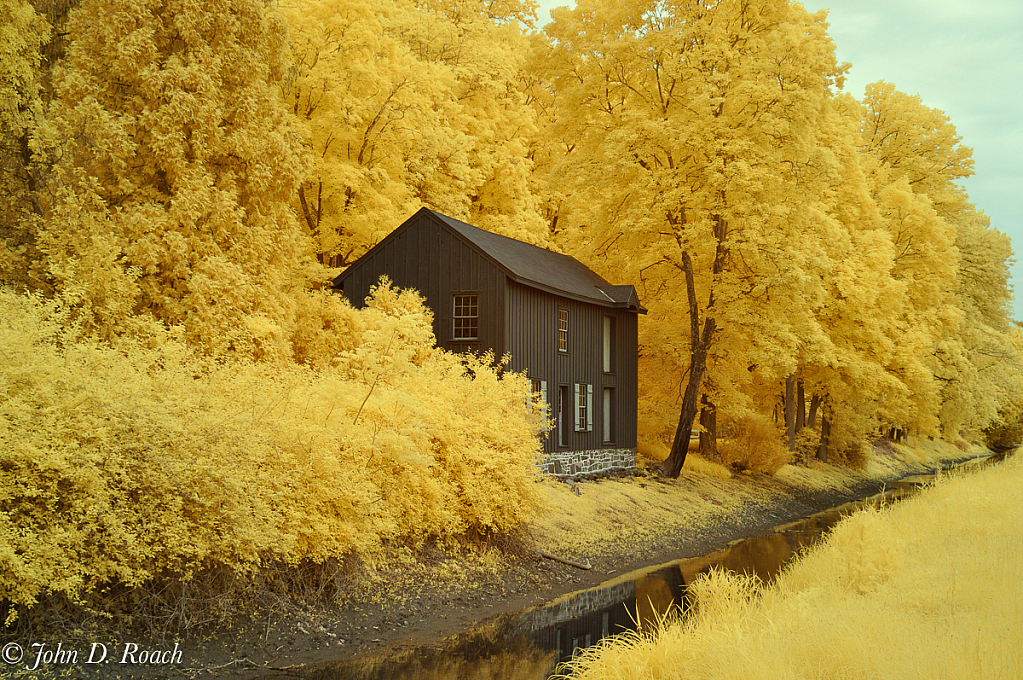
486	655
579	620
529	645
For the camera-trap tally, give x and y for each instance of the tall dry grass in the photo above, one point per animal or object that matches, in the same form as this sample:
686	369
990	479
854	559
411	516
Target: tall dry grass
930	588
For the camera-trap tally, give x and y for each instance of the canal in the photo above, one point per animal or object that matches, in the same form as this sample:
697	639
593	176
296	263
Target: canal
529	644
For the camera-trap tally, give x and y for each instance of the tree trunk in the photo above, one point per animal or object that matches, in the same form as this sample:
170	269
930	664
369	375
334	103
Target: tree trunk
672	466
815	401
309	213
822	450
699	344
800	406
790	412
709	433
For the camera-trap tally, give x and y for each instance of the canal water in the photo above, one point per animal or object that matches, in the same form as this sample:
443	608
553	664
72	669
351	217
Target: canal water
529	645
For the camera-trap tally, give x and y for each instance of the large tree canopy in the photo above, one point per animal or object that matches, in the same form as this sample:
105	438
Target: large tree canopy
409	104
188	165
178	167
781	232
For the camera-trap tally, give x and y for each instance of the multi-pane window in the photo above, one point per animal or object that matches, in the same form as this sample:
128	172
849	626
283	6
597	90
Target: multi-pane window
583	407
540	391
467	316
562	330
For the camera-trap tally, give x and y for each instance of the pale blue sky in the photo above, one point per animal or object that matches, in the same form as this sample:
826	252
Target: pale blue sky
964	57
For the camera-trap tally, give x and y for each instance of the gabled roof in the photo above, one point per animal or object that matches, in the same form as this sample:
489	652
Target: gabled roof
540	268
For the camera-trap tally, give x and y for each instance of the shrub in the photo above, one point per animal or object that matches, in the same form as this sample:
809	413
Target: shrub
755	446
124	465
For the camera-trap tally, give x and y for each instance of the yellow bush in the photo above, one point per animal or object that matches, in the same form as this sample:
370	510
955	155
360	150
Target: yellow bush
152	461
755	445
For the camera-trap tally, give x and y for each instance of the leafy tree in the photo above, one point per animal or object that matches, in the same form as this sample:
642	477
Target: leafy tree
690	126
409	104
23	35
955	320
179	164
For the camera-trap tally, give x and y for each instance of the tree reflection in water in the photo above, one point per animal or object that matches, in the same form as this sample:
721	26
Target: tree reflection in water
529	645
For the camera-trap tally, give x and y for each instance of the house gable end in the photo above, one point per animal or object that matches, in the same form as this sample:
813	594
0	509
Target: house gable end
521	262
443	267
488	292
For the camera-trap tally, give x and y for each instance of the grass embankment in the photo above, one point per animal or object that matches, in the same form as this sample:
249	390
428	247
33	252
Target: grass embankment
637	517
927	588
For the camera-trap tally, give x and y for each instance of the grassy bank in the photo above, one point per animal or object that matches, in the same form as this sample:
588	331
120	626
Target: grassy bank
928	588
615	519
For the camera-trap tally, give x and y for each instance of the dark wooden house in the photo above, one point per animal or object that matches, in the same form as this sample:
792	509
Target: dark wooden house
572	333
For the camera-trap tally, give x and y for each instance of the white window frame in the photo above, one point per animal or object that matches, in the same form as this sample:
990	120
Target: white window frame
608	415
540	387
583	414
562	329
472	304
562	421
608	358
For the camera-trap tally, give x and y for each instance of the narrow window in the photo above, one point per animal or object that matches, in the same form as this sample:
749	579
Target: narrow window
609	331
540	391
608	413
467	317
563	415
562	330
589	408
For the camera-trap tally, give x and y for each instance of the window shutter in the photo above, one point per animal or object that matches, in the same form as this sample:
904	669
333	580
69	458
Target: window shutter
543	395
575	411
589	408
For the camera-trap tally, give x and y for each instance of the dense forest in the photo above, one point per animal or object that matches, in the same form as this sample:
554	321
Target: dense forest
179	182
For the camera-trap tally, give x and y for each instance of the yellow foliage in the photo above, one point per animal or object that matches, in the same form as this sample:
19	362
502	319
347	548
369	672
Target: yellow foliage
756	445
170	198
825	238
150	461
927	588
408	104
23	35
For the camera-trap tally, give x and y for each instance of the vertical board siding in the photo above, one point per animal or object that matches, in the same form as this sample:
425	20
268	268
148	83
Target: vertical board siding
437	263
513	318
532	327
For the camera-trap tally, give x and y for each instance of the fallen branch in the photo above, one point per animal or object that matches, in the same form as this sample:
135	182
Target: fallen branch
570	563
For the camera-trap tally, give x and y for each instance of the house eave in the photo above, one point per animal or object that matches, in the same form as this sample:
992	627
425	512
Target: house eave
609	303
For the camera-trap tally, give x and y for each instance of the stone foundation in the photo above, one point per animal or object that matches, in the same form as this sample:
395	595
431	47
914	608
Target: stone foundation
578	605
597	461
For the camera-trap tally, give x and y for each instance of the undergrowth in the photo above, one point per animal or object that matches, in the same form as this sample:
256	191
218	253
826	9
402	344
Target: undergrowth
146	485
755	445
